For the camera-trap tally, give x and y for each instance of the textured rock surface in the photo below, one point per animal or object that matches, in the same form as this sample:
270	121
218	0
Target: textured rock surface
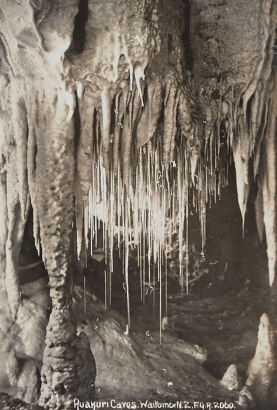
137	366
230	378
7	403
262	368
22	340
84	86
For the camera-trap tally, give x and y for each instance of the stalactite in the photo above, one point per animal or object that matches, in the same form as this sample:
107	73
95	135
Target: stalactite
117	130
147	124
31	164
170	102
14	238
79	218
261	133
130	117
185	115
259	212
126	148
242	186
269	184
19	120
139	75
136	198
84	141
106	125
153	189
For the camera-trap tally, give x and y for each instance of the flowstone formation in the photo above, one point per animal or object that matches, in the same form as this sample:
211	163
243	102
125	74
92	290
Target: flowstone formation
124	114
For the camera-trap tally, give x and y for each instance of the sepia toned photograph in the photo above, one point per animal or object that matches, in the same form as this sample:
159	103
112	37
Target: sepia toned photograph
138	204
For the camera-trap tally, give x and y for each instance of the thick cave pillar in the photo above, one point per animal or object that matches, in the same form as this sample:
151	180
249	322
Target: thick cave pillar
68	366
38	164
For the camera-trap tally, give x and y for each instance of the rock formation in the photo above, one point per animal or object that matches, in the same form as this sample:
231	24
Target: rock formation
119	111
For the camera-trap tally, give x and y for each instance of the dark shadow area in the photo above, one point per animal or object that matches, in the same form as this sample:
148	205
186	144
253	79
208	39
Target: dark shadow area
79	33
186	37
31	266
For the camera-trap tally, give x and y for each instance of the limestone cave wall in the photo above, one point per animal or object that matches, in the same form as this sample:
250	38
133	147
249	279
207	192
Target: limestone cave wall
127	112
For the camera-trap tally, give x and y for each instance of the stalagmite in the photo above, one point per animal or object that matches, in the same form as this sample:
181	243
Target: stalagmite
261	369
230	378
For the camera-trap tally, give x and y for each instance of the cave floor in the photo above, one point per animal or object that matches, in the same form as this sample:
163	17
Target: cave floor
203	334
222	317
7	402
225	325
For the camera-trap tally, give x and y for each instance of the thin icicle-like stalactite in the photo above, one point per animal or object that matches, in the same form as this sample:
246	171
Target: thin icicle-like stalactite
140	200
242	183
145	193
269	189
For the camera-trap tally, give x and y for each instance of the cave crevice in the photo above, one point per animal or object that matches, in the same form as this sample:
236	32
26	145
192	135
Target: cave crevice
79	33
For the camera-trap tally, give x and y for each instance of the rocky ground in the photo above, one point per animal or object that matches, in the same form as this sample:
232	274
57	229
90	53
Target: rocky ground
202	337
8	402
200	340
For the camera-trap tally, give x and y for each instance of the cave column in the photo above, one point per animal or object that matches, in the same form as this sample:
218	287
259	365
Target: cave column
68	369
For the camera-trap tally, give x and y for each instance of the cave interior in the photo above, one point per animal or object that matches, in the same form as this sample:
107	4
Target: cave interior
138	243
